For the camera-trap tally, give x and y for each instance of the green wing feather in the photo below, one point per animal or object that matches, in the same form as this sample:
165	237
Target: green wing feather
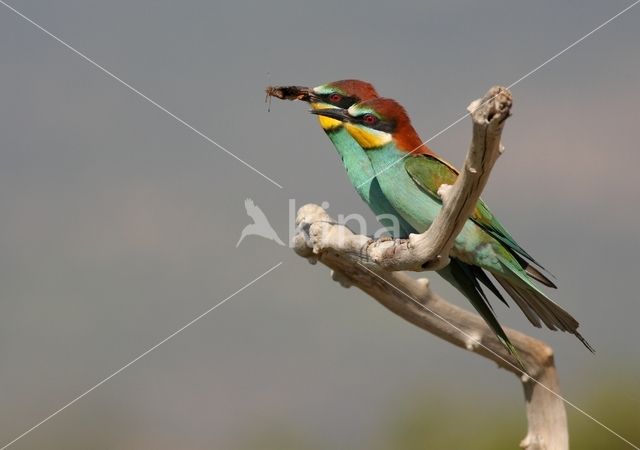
465	278
534	303
430	173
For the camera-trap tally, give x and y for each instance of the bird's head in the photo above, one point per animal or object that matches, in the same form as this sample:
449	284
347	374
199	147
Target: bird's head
337	94
377	122
340	94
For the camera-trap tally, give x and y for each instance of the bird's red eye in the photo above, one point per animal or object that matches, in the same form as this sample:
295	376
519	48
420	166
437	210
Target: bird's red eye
335	98
369	119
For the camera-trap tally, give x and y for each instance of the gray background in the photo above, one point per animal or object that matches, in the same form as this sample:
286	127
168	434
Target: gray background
118	225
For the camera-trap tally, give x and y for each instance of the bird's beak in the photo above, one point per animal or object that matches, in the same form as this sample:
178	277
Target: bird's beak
333	113
302	93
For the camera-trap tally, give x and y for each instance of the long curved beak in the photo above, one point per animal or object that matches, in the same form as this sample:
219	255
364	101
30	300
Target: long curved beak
333	113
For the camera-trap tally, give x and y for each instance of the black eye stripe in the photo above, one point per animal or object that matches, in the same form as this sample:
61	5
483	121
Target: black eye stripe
377	124
344	103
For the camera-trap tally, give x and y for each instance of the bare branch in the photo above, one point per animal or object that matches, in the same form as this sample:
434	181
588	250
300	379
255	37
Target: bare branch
373	265
414	301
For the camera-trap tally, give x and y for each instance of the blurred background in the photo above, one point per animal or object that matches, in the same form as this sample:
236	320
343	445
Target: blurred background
118	225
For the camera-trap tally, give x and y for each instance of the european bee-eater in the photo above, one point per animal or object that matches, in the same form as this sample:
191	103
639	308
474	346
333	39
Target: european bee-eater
409	175
343	94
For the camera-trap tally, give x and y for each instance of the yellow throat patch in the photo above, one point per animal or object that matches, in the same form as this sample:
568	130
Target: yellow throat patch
327	123
368	138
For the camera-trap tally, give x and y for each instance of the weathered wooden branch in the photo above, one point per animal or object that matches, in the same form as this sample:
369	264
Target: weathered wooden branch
373	265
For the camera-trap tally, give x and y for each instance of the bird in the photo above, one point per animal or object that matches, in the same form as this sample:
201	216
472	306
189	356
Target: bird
409	174
342	94
260	225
